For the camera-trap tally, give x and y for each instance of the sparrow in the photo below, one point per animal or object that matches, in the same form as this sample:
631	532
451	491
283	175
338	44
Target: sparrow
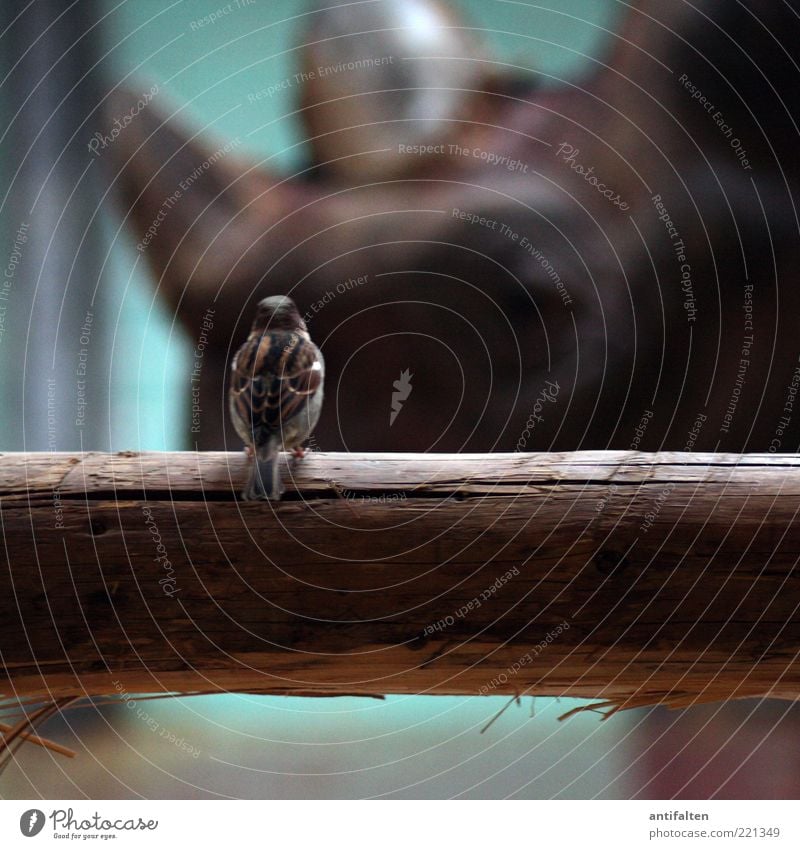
276	392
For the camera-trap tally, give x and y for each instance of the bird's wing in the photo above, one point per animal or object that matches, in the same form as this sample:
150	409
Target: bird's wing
274	377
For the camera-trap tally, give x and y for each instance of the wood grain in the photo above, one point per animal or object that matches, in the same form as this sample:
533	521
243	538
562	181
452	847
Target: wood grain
623	577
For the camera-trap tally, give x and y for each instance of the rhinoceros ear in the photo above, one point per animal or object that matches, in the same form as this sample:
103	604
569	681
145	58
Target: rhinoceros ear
381	74
185	194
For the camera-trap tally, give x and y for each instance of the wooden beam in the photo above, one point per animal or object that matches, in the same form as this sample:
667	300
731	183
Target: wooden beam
629	578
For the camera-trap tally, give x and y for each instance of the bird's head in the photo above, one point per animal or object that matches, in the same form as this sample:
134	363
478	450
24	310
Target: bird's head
277	313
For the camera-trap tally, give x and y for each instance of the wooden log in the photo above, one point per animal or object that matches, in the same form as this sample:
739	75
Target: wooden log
624	577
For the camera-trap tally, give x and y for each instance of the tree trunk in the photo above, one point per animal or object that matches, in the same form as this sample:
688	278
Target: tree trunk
629	578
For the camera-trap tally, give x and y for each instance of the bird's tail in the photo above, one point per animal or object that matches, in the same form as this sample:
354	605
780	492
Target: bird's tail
265	481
